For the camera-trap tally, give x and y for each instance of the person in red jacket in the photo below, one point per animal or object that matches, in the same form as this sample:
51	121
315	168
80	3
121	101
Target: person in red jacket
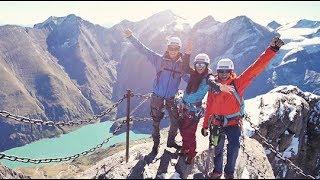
225	110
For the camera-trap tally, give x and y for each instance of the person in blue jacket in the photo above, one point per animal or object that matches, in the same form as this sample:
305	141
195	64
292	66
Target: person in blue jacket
200	79
169	67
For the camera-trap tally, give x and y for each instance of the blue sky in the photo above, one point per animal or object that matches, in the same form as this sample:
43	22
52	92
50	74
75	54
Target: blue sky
32	12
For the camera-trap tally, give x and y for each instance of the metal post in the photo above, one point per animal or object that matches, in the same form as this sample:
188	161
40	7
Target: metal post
128	123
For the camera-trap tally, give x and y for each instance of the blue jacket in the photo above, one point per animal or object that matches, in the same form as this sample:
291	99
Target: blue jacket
192	99
169	72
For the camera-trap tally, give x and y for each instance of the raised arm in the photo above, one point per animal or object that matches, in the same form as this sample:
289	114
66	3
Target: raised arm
208	112
152	56
213	85
186	64
259	65
186	77
186	58
217	87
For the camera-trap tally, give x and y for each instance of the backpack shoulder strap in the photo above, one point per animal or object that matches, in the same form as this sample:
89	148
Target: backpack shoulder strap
162	66
238	97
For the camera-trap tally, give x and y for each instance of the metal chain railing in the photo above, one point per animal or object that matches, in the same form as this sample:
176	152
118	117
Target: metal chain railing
277	153
140	119
144	119
143	96
51	123
38	161
22	119
145	99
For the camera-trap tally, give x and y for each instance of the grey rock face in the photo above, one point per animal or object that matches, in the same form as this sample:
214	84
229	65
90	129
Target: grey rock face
6	173
289	120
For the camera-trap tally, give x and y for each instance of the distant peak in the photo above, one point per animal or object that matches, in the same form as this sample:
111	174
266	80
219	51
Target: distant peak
209	19
242	18
50	22
206	22
54	21
305	23
73	17
164	14
273	25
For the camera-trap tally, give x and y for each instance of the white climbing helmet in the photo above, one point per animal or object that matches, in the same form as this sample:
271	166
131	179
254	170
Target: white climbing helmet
225	64
202	57
174	41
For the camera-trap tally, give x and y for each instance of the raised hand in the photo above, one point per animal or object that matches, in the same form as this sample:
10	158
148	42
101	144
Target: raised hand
276	43
227	88
189	47
127	33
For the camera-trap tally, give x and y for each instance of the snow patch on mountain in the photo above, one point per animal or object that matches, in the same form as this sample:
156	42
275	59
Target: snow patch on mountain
292	150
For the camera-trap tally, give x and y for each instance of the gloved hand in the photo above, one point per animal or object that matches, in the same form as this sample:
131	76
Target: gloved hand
276	44
204	132
227	88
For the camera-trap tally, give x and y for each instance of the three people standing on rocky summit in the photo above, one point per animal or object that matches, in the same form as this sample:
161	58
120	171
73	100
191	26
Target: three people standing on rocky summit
225	107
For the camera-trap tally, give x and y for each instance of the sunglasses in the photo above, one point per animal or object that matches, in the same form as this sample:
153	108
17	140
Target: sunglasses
200	65
224	71
170	48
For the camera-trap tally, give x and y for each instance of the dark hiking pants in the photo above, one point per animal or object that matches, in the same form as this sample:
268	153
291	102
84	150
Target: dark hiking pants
157	113
233	134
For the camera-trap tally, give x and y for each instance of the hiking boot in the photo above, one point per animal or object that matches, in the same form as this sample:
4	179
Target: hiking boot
228	176
215	175
174	145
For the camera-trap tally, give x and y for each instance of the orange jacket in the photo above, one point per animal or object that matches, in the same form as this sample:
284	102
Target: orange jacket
225	104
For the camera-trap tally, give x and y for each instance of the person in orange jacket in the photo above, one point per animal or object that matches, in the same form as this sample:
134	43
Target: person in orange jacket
226	110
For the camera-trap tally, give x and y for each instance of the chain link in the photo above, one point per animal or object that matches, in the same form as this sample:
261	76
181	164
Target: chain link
37	161
22	119
277	153
139	119
143	96
144	119
51	123
139	105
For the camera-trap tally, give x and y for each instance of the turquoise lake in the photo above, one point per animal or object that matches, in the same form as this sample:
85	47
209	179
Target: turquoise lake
68	144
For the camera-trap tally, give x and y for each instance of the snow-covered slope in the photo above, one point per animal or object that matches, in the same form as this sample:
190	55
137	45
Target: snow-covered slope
296	63
298	36
289	119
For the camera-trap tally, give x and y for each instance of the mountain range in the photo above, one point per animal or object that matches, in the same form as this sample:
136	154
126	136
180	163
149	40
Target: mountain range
67	68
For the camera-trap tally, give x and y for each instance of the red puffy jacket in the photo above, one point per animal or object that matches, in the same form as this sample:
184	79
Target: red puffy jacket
224	103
